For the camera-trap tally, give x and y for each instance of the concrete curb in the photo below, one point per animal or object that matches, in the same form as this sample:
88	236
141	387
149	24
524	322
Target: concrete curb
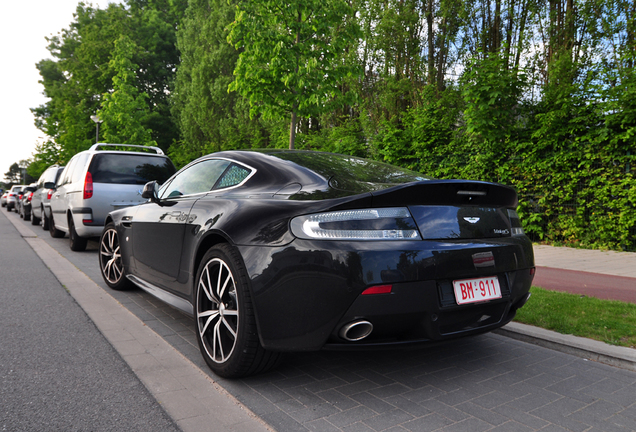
621	357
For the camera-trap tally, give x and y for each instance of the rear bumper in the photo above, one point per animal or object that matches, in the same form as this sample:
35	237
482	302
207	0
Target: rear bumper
420	312
305	292
81	216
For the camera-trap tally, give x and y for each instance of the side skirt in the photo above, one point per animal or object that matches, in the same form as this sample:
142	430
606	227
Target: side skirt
164	296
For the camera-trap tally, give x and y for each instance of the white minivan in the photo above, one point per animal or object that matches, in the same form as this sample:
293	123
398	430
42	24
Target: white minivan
98	181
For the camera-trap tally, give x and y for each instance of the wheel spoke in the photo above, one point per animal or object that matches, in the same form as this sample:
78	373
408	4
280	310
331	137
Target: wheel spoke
211	315
227	325
217	340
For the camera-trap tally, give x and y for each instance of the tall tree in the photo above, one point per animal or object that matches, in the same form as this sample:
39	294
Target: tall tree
79	72
209	117
292	56
123	110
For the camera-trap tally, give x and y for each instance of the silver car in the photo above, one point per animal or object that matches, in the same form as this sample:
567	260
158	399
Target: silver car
40	203
13	196
98	181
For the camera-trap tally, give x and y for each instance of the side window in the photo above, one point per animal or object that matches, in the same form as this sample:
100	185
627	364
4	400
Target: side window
233	176
65	178
79	168
43	178
198	178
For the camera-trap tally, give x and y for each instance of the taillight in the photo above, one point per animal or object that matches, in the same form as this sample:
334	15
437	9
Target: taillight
29	196
49	194
88	186
380	289
379	224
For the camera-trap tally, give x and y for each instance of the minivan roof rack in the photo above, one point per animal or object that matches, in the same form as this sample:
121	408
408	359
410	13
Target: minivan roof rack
155	149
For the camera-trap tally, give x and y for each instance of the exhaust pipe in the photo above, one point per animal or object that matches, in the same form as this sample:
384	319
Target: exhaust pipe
356	330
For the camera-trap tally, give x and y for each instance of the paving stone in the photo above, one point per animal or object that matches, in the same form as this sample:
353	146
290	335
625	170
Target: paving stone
430	422
388	419
351	416
372	402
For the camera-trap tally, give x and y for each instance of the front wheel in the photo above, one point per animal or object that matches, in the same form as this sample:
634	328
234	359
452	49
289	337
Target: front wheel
225	322
110	262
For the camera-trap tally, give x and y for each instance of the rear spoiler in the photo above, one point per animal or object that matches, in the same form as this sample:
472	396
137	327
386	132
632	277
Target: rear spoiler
447	192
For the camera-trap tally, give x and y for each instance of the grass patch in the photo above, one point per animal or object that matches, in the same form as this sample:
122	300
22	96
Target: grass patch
608	321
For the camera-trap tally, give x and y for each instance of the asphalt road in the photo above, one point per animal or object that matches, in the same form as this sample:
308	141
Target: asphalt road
57	372
484	383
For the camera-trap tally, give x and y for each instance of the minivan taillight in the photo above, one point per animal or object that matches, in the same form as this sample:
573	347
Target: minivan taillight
49	194
88	186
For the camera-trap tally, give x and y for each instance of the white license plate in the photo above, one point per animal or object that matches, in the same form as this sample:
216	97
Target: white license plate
476	290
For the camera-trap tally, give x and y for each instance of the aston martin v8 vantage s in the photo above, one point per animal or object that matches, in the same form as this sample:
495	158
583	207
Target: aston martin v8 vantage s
280	250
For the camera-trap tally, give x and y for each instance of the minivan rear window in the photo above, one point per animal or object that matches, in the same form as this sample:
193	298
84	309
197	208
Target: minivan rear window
130	169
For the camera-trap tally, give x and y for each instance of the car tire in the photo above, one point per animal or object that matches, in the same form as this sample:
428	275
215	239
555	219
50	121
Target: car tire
110	262
45	221
77	243
55	233
27	215
225	323
34	220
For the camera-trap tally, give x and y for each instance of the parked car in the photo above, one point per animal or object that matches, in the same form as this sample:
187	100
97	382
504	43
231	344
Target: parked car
13	195
40	203
99	180
274	251
24	202
3	199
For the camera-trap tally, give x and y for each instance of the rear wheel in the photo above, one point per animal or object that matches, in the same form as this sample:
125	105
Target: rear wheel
45	221
77	243
27	214
34	220
55	233
225	322
110	262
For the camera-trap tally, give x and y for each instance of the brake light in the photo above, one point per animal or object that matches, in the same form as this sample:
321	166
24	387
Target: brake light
29	196
49	194
88	186
380	289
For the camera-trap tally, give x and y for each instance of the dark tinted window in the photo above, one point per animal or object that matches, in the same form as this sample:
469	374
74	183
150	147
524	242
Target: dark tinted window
233	175
352	173
130	169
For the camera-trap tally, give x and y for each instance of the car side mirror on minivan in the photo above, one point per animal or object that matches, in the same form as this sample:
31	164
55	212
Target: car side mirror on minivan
150	191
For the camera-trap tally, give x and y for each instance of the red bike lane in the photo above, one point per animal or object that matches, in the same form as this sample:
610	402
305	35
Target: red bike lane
597	285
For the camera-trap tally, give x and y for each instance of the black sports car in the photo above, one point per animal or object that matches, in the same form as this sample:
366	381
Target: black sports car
278	250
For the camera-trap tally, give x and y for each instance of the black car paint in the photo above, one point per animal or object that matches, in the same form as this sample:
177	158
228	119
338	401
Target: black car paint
304	290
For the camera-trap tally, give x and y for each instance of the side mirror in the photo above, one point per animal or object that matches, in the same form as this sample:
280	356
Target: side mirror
150	191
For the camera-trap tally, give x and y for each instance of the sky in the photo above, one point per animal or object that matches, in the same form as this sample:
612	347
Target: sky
24	25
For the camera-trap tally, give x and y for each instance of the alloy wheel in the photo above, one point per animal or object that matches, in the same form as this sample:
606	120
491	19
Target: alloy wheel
110	257
217	310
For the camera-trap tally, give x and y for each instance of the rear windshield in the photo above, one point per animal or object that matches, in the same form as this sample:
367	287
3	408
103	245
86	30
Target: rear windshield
130	169
351	173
